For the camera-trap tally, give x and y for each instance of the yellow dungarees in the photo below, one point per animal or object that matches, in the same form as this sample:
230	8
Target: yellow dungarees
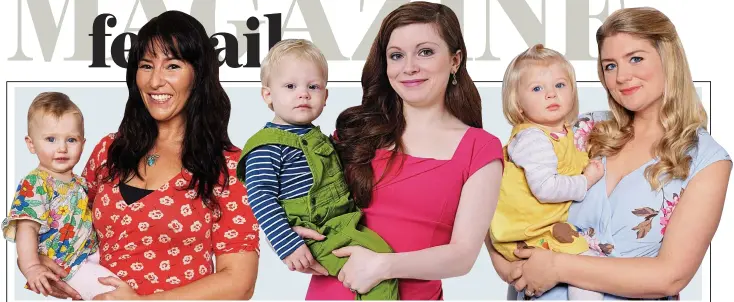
521	220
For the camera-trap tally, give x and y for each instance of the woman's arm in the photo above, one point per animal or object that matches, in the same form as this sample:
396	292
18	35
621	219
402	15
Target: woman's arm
687	238
476	207
365	268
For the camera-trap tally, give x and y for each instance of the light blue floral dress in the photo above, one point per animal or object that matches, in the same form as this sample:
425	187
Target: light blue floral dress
631	221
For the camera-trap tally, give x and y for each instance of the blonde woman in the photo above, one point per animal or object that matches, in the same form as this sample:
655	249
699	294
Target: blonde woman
665	177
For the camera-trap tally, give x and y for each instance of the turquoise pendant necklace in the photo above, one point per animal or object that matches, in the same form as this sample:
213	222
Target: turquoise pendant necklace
150	159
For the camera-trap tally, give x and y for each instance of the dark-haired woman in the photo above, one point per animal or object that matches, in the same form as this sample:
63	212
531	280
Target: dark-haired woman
416	159
163	188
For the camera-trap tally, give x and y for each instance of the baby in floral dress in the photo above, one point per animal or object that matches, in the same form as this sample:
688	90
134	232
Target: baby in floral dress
49	214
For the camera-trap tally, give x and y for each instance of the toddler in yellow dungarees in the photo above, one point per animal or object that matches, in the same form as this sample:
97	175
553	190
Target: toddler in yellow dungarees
543	169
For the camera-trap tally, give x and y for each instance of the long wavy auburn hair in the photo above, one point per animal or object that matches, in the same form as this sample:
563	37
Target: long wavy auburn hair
379	121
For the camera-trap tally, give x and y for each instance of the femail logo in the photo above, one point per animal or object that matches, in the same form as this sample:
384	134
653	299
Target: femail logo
92	28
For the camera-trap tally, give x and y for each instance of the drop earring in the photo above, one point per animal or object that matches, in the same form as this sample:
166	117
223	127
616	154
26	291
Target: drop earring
454	80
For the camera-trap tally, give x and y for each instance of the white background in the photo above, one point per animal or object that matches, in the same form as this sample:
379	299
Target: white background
701	25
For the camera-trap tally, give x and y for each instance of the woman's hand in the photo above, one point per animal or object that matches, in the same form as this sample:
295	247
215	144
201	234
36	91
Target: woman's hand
315	268
510	272
59	289
122	291
364	269
538	272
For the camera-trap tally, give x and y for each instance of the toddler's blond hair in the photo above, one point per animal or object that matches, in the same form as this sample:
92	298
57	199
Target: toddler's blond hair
537	55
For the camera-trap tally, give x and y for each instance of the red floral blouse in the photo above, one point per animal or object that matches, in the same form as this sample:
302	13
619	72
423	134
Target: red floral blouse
167	238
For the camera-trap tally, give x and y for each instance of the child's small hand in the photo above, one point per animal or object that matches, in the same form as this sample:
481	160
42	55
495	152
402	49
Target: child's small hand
300	260
38	276
593	172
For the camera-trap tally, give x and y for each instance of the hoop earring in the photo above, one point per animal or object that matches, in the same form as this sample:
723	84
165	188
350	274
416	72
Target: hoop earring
454	80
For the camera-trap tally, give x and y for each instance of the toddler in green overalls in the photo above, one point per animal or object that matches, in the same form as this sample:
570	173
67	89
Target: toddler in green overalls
293	174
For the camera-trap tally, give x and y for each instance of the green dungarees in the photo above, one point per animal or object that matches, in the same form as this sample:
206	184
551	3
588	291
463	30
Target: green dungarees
328	207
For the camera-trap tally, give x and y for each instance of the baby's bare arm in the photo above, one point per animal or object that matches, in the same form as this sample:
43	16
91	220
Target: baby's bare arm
37	274
26	241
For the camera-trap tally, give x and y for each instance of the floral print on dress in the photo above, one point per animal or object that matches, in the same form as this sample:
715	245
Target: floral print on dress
66	234
599	249
583	125
630	220
583	128
666	207
169	238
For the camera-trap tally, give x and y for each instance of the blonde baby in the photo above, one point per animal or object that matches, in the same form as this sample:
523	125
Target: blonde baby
543	172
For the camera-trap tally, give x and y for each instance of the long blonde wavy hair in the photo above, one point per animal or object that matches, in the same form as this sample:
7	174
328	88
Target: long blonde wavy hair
681	113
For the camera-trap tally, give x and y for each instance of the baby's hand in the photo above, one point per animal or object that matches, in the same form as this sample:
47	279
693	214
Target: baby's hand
300	260
38	276
593	172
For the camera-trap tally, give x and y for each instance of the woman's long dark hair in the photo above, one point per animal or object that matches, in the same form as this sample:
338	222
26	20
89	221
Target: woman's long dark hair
206	112
379	121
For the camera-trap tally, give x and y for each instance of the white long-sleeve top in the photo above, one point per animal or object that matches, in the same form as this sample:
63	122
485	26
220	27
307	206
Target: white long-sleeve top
532	150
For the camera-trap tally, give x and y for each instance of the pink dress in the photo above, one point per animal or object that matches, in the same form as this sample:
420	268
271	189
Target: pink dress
414	208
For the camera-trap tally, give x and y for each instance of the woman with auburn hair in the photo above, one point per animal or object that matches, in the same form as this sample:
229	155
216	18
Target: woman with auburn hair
653	149
416	160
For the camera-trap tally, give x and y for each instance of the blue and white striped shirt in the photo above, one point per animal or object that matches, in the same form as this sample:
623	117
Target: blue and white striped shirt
272	173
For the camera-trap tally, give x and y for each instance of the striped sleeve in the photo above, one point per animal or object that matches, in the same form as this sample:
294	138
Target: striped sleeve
262	173
531	150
